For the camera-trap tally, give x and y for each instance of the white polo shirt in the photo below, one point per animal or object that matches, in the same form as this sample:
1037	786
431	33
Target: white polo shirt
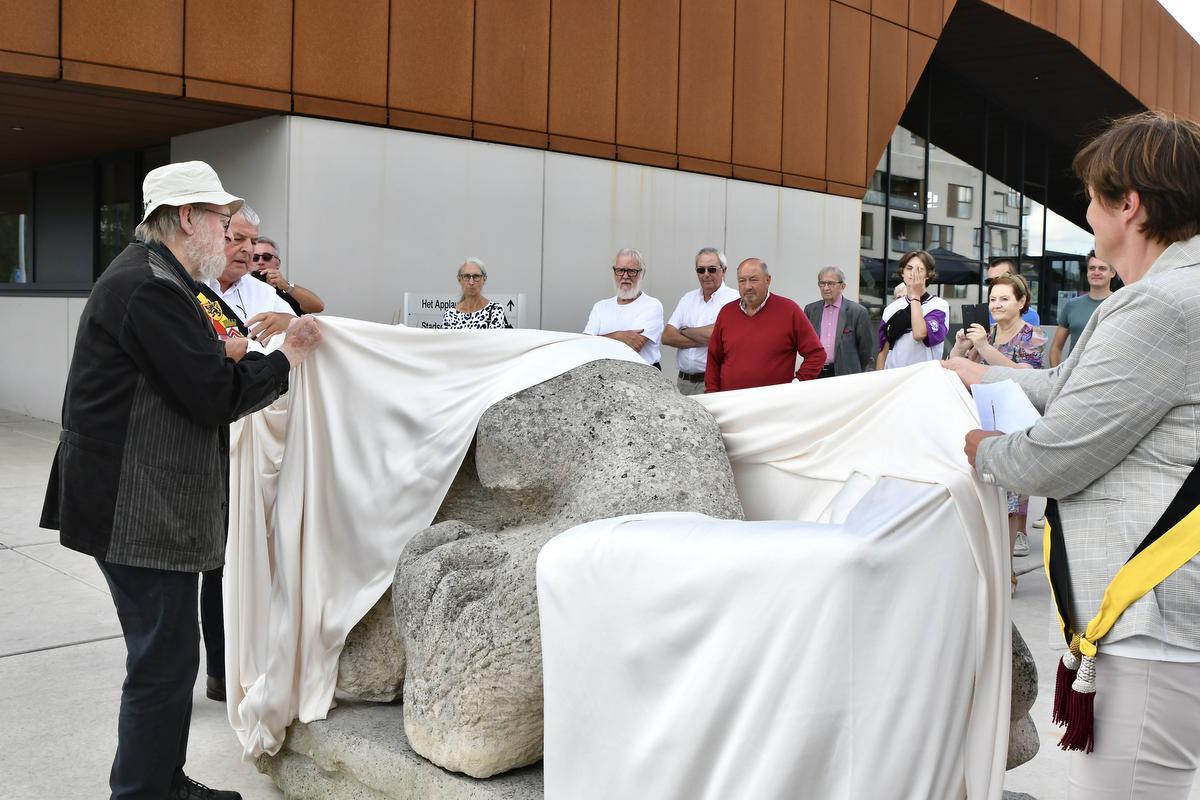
248	296
694	312
644	314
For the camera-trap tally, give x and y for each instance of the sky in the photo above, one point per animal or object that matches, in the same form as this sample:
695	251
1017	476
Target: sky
1187	13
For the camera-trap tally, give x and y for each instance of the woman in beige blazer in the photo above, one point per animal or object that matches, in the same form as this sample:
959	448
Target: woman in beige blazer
1119	435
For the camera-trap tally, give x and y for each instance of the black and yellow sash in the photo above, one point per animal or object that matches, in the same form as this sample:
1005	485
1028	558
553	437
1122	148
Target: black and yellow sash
1172	542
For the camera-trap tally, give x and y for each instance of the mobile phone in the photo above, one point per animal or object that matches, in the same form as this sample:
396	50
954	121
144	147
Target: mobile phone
976	313
260	274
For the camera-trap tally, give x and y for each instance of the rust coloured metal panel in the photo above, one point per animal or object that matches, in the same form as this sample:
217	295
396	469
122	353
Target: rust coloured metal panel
30	27
1044	14
137	80
1021	9
925	16
341	57
144	35
1148	86
583	71
1195	88
210	54
1067	23
431	57
920	48
892	10
1089	29
1110	38
849	77
1185	48
1131	45
647	79
805	87
862	5
758	85
1166	62
512	63
706	80
889	92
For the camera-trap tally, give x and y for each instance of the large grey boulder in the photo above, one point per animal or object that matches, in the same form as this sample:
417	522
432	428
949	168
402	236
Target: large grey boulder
1023	741
603	440
371	666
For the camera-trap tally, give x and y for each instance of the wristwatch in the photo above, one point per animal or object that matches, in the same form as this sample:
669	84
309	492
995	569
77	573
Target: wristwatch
291	286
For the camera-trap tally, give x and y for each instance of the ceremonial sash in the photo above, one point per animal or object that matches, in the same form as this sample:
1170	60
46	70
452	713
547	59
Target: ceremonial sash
1172	542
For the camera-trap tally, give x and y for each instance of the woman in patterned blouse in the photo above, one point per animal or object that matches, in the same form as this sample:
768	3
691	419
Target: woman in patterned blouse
473	310
1011	342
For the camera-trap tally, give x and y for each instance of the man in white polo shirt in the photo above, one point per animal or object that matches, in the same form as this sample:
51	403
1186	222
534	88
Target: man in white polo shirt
632	317
254	301
690	326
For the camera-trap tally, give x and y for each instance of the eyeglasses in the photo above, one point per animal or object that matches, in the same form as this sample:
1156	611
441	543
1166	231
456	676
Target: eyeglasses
828	284
225	218
470	277
267	257
627	272
709	270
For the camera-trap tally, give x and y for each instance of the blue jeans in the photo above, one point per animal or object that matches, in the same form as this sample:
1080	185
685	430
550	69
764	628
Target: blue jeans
157	610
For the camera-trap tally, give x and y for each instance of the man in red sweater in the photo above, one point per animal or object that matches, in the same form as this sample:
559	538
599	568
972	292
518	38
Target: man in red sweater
755	340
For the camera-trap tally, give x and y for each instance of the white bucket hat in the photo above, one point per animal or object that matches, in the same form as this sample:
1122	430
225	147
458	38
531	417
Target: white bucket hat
182	184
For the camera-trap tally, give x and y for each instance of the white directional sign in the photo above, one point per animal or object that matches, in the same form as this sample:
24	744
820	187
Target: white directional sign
425	310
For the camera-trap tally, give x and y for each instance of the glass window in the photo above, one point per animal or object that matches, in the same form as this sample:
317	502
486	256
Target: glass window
958	201
906	234
119	190
908	194
16	228
939	236
867	231
877	192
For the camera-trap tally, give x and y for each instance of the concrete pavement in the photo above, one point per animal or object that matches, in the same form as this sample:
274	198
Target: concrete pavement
61	657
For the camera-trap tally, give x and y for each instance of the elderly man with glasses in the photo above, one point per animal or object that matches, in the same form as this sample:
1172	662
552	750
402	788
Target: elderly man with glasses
690	326
255	303
843	325
268	266
632	316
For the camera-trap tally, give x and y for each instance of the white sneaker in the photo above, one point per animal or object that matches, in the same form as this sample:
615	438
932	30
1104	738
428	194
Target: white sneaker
1021	545
1040	522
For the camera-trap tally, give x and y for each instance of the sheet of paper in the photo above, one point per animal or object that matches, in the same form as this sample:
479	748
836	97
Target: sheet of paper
1003	407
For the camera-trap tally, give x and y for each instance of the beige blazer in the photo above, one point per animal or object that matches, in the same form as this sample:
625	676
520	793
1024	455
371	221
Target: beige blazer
1120	434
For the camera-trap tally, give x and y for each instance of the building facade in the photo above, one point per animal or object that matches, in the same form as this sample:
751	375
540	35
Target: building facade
386	141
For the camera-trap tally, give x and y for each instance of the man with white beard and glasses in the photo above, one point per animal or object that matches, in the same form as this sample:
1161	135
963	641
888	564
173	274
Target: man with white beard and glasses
632	316
140	480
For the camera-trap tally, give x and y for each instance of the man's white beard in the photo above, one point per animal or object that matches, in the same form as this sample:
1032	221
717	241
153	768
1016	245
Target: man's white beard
206	252
631	293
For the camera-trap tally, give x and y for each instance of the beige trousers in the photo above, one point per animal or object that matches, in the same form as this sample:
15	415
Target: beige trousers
687	388
1147	732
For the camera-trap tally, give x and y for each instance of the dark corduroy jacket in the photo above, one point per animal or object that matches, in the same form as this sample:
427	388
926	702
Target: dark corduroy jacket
141	476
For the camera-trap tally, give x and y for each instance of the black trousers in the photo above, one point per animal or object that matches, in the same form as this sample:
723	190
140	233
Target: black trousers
157	610
212	622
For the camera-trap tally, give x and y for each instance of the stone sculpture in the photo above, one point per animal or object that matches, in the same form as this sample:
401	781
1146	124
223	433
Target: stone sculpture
606	439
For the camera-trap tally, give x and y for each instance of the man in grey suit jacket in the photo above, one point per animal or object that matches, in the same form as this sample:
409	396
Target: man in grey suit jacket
140	480
843	325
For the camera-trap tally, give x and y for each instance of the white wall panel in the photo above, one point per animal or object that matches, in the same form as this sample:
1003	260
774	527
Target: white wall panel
251	158
34	366
378	212
594	208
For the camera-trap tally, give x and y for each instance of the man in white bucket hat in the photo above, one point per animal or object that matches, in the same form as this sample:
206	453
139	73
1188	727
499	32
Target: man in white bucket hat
140	479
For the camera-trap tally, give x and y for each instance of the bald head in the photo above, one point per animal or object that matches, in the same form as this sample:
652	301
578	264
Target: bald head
753	282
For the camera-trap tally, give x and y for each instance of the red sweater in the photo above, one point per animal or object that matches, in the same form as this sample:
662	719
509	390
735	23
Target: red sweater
761	350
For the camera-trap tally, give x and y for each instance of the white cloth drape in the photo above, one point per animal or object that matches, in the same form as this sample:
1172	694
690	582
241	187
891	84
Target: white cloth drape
328	484
861	652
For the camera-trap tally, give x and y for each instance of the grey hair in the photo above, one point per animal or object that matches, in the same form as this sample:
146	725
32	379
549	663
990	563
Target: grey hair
713	251
269	241
841	275
162	225
635	254
250	214
477	262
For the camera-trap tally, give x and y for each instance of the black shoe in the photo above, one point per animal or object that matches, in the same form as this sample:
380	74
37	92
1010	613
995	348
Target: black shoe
188	789
215	689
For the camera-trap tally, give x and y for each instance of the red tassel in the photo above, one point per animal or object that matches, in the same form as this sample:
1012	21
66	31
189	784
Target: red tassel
1078	735
1060	714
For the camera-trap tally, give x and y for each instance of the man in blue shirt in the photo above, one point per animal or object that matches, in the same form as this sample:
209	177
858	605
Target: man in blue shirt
1077	311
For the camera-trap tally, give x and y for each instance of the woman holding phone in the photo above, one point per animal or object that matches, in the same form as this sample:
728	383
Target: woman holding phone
1011	342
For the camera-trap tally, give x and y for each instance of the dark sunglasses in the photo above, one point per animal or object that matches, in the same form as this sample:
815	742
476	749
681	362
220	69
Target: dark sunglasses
709	270
268	257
